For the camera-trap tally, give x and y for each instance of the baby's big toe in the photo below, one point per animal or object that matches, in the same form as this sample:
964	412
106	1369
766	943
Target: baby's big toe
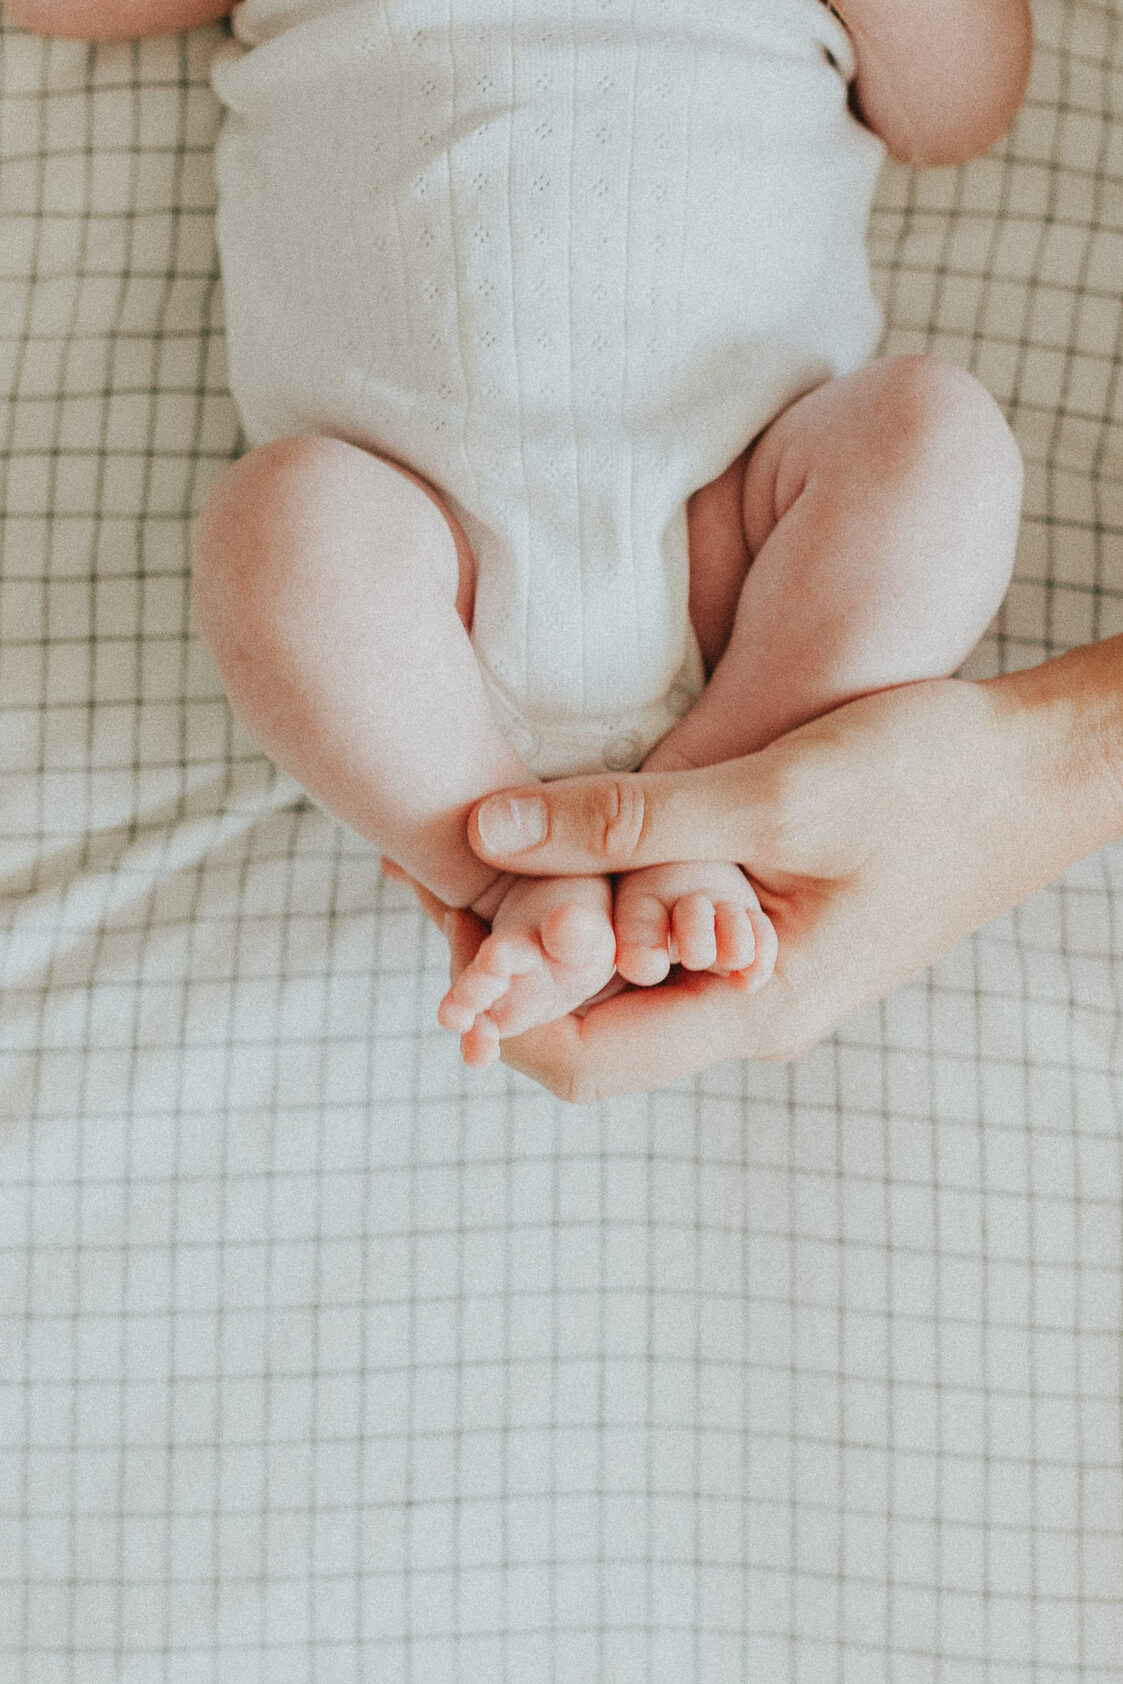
578	936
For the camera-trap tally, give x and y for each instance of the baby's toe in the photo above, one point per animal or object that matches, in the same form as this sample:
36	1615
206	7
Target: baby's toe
472	992
733	931
485	980
643	928
692	927
578	936
479	1048
453	1015
766	950
507	955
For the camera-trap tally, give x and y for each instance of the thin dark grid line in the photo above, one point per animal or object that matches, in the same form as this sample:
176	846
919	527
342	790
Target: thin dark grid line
247	1110
459	1460
555	1364
1053	200
175	1240
205	1512
991	1523
23	1495
221	1323
72	1540
905	1652
1034	1474
944	282
694	1294
792	1375
508	1411
316	1631
928	1323
745	1436
887	1216
1112	403
410	1503
121	1472
856	1177
838	1319
1082	1449
601	1553
648	1305
366	1355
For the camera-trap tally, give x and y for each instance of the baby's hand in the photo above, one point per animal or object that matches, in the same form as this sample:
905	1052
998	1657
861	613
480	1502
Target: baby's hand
701	914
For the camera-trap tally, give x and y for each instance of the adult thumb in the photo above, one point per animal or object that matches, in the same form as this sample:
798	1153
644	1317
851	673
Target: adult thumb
588	825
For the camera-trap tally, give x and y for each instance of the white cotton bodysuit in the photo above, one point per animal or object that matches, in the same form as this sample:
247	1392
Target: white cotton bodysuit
564	259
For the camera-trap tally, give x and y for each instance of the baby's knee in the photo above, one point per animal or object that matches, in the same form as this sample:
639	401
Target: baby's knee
938	424
248	532
958	474
304	516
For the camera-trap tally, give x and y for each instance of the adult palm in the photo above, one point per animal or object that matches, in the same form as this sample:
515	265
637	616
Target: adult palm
877	836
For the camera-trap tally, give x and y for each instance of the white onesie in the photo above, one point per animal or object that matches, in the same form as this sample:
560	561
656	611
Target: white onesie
564	259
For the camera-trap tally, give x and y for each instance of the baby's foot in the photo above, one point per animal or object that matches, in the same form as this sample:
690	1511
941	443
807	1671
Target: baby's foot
700	914
551	947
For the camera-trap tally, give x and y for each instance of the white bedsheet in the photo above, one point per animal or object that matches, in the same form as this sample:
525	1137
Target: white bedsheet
322	1358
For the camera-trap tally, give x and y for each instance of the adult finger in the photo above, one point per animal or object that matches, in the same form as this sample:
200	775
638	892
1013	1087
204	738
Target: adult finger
434	908
590	825
640	1040
653	1038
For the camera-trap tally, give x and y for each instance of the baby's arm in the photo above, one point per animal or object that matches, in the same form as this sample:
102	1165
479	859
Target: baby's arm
939	81
113	20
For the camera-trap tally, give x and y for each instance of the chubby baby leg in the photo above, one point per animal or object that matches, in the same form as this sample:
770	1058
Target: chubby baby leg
335	592
330	588
881	512
880	517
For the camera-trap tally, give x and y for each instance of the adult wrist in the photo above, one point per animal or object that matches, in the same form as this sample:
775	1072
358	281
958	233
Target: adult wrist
1065	719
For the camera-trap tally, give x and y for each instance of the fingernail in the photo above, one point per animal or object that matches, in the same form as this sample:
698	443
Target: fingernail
508	824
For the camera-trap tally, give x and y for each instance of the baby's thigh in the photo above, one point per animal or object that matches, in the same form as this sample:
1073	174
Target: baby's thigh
719	558
458	566
908	441
324	517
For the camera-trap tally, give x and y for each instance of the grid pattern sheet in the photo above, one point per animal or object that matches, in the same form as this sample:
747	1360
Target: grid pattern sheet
324	1359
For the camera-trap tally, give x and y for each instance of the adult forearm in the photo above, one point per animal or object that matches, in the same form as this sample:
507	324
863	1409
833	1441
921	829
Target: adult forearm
1065	717
113	20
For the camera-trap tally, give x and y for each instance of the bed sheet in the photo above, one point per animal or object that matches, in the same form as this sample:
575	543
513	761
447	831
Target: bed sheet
322	1358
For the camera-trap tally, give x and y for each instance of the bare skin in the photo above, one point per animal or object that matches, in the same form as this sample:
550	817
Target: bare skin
924	811
356	674
869	544
938	83
863	541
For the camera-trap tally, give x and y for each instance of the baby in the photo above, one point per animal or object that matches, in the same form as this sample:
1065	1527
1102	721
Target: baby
549	327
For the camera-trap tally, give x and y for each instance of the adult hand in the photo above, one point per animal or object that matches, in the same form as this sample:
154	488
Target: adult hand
877	837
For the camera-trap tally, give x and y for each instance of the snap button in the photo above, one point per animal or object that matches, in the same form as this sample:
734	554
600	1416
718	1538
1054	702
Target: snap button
622	753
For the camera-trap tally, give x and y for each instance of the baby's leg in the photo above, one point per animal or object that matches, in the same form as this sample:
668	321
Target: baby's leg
335	593
882	511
